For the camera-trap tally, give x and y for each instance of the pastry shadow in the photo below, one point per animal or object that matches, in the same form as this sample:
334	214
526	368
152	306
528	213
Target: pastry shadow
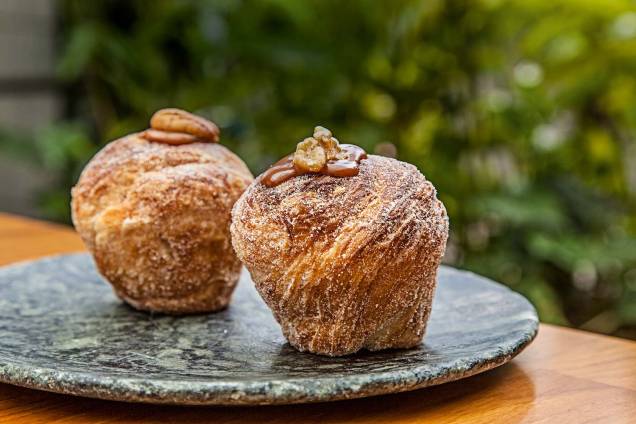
288	356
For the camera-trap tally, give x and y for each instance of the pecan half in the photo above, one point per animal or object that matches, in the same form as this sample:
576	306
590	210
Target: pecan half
310	155
176	126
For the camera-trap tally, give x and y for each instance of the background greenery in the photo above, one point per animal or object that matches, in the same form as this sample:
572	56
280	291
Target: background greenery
522	114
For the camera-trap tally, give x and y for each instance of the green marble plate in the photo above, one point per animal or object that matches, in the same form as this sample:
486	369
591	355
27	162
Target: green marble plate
63	330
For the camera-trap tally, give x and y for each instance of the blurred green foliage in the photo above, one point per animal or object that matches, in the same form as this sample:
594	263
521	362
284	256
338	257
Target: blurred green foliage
523	114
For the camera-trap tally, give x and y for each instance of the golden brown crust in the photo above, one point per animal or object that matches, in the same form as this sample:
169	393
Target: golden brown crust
156	219
345	263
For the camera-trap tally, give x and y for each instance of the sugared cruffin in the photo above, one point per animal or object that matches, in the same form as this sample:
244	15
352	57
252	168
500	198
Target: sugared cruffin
156	217
345	263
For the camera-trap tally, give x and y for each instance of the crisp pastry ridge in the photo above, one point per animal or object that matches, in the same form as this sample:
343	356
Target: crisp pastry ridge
156	219
345	263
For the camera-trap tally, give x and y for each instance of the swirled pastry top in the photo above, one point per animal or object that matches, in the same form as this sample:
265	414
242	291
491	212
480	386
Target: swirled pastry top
339	216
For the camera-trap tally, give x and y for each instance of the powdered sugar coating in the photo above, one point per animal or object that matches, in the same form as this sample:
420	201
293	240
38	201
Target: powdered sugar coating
345	263
156	219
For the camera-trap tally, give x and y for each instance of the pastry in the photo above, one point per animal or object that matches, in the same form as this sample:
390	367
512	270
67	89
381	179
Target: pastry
343	247
154	208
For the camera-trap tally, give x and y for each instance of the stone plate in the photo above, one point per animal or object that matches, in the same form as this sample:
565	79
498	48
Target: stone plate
63	330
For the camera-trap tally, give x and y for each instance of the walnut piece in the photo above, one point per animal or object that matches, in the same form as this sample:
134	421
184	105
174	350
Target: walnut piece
313	153
176	126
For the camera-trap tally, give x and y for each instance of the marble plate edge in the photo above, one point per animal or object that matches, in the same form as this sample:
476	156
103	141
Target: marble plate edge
240	393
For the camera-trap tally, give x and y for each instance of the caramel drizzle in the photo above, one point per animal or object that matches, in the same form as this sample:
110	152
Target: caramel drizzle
285	169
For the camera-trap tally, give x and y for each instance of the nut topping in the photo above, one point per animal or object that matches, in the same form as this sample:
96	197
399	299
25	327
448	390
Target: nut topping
320	154
176	126
313	153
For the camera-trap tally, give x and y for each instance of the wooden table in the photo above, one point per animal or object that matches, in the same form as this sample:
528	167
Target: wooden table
565	376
